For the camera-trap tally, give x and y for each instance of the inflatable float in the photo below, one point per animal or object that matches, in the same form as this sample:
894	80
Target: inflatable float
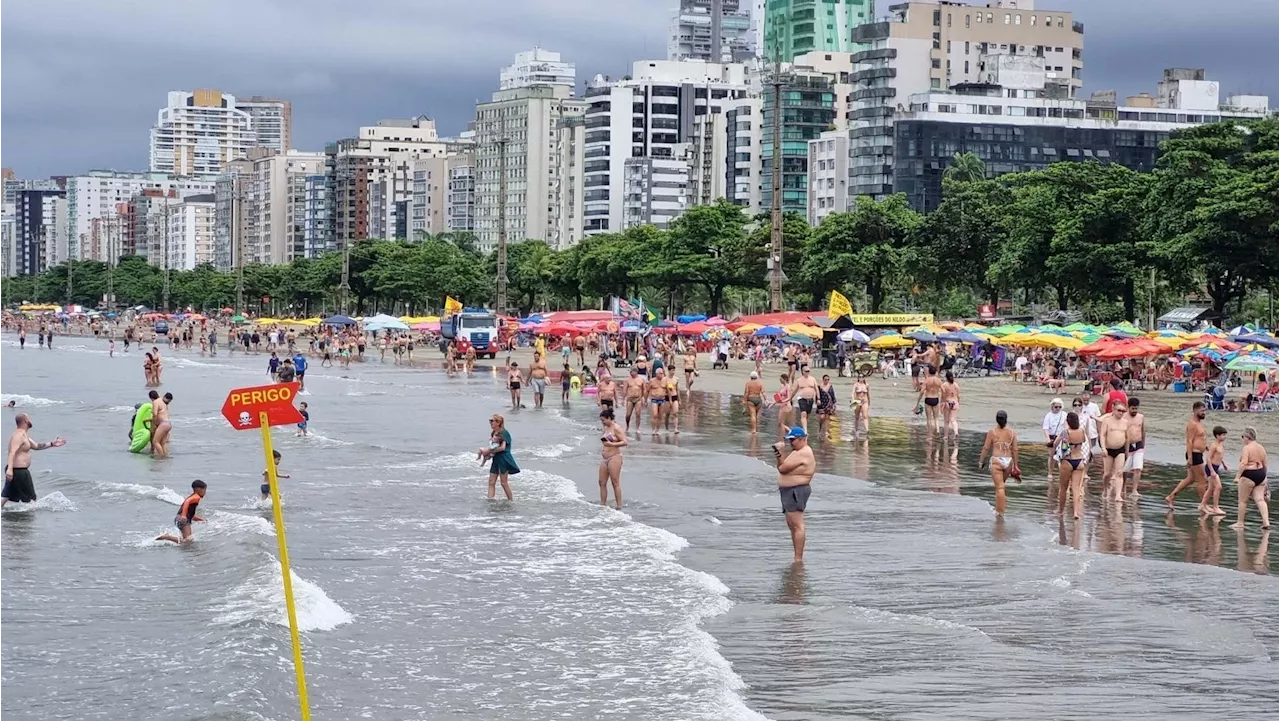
140	437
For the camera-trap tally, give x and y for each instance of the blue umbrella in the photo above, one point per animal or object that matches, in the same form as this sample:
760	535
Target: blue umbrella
1245	329
962	336
339	320
685	319
770	331
1120	332
1260	339
922	335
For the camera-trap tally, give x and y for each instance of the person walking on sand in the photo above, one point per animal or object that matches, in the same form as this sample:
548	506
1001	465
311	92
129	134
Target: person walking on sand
611	445
503	464
861	402
1002	444
18	484
795	473
1251	480
1196	444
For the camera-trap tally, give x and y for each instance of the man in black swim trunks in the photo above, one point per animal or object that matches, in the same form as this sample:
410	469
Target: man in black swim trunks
18	484
795	473
931	394
1197	443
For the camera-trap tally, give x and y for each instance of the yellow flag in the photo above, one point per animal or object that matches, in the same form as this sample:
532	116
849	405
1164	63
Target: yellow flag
452	306
839	306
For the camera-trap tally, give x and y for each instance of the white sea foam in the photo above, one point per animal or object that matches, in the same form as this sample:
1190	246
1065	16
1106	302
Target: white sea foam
121	409
54	501
548	486
554	451
227	523
26	401
713	519
261	599
164	493
913	620
188	363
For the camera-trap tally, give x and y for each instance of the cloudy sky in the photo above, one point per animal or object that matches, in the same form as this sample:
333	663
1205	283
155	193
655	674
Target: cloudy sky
83	79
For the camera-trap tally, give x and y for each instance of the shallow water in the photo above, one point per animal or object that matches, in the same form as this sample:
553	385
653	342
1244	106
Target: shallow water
420	599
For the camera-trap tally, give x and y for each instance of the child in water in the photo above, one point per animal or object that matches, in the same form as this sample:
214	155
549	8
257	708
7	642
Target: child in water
566	380
306	418
266	479
483	454
186	514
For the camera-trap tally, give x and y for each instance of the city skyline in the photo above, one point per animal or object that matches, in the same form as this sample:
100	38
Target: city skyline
341	72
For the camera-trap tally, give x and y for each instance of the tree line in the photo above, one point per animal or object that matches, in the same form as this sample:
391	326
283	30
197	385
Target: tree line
1098	238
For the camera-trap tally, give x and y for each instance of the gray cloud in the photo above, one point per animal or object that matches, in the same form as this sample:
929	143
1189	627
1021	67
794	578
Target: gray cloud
83	79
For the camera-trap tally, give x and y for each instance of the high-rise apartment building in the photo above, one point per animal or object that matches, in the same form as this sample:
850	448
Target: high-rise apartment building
272	122
96	195
796	27
198	132
8	243
516	131
537	67
932	46
650	115
36	229
189	237
230	219
808	110
828	175
717	31
275	205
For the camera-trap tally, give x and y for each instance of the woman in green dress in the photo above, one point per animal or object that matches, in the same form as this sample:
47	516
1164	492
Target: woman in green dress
504	464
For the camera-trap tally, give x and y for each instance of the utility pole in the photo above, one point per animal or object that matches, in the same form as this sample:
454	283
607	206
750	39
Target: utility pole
775	232
70	273
111	266
165	304
500	284
344	287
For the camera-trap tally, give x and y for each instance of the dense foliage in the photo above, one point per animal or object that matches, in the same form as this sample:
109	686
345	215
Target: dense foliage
1102	239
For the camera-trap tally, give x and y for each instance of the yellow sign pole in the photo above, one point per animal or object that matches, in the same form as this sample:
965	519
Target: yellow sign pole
284	567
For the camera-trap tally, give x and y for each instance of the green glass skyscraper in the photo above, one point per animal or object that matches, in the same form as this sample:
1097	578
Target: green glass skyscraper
795	27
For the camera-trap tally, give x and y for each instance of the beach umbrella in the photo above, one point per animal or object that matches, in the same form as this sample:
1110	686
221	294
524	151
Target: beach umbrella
388	324
803	340
1117	331
1246	329
717	333
769	331
694	328
1133	348
237	319
802	329
1252	362
890	341
1205	351
921	335
1260	339
962	336
717	320
852	335
684	319
1214	330
331	320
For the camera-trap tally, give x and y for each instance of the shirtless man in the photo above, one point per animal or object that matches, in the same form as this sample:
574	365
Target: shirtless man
1195	447
1137	437
804	390
931	394
606	392
635	397
18	485
1113	432
795	472
861	403
538	379
161	427
753	398
656	389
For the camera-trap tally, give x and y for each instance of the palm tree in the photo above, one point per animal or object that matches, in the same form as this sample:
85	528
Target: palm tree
965	167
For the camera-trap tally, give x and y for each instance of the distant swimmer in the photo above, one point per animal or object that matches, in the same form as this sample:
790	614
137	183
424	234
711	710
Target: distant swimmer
11	404
611	444
266	476
18	484
1002	444
795	473
161	427
186	514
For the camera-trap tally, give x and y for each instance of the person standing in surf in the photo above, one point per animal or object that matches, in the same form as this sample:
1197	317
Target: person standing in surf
18	484
795	473
186	514
611	444
514	383
504	463
1002	444
161	427
1251	480
752	398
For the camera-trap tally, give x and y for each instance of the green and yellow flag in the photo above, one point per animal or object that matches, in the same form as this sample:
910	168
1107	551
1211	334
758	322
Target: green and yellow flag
839	306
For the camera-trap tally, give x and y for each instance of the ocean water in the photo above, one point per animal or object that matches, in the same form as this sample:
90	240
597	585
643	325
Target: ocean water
420	599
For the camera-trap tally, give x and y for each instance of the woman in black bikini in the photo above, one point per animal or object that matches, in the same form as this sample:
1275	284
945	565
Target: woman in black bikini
1072	460
1251	479
611	444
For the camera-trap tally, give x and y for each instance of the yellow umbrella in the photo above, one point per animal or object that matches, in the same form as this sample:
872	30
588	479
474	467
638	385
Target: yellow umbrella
430	319
890	341
1061	341
748	329
1014	339
805	330
266	321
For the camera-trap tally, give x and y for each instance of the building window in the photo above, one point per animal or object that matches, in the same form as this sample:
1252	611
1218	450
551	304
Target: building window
935	83
1007	18
1033	19
966	67
936	63
1059	21
1017	19
990	18
948	19
966	20
979	18
966	47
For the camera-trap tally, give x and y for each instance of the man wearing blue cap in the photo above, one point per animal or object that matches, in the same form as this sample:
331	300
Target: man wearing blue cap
795	472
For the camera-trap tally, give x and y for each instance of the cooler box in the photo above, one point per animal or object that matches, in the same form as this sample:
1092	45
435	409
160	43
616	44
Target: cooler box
1179	387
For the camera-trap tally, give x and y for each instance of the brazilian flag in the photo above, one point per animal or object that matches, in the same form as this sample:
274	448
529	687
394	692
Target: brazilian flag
646	314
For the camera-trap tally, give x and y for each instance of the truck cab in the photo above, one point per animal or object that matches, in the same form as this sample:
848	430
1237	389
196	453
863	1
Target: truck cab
477	326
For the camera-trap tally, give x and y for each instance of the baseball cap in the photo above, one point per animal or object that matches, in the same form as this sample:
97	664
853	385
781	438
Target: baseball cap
796	432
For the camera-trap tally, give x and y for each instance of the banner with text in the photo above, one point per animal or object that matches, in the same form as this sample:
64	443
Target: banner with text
892	318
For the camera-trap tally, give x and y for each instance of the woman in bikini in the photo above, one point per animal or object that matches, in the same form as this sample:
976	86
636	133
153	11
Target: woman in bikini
611	444
1251	479
515	382
673	404
752	397
950	404
782	399
861	403
1072	459
1002	444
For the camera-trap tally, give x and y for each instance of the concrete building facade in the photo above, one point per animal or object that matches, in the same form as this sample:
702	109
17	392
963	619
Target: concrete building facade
35	229
537	67
697	23
198	132
796	27
272	122
828	175
96	195
189	233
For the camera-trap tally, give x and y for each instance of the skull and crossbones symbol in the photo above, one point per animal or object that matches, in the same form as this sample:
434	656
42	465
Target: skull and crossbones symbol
245	418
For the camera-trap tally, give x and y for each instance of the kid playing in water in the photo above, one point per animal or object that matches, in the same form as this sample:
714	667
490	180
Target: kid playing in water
266	479
186	514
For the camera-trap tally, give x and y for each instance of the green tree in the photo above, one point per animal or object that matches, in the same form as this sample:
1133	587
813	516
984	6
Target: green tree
965	167
869	245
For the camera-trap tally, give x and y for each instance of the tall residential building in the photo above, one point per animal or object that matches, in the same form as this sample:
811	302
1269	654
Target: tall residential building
838	67
371	178
1027	129
460	203
272	122
274	200
648	117
8	243
12	185
141	224
317	224
808	110
230	219
796	27
932	46
95	196
537	67
190	236
516	130
717	31
35	229
444	192
828	175
198	132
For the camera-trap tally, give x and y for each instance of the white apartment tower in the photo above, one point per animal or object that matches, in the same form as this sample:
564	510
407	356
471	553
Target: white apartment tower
536	67
189	233
717	31
828	175
198	132
95	197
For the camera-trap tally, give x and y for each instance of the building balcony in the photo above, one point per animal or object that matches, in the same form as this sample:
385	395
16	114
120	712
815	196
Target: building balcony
877	54
866	93
874	73
871	31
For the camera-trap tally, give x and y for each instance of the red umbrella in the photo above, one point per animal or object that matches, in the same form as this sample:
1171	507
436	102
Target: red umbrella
1134	348
695	328
1097	346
